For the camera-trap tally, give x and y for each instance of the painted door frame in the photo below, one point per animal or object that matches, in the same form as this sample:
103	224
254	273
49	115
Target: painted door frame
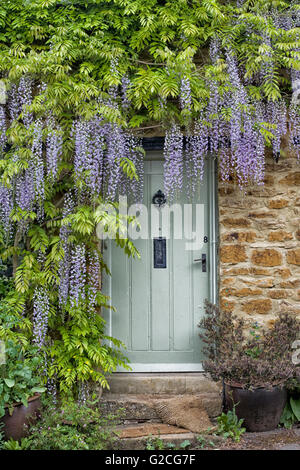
213	276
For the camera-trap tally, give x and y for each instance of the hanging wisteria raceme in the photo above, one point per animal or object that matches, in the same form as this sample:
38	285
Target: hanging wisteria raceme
54	144
245	141
132	188
173	164
197	147
276	114
6	206
238	100
99	147
185	97
224	165
77	275
99	150
40	316
28	184
38	162
25	189
13	102
3	127
294	117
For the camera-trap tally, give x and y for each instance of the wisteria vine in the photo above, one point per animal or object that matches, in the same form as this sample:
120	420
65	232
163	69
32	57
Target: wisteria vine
58	162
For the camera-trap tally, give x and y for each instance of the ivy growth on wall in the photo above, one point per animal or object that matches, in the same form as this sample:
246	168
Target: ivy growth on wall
84	81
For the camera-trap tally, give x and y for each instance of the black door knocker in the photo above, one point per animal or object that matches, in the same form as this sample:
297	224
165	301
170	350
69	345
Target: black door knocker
159	199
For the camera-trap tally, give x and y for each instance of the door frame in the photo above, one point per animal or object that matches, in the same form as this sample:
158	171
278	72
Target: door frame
213	276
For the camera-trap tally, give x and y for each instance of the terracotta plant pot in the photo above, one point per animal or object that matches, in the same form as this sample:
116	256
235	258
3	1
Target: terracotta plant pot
14	425
260	408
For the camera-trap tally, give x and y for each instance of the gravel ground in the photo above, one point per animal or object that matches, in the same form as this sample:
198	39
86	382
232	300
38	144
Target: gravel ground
279	439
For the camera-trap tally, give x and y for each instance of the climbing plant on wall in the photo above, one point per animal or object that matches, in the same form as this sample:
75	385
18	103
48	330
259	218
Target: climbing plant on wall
83	81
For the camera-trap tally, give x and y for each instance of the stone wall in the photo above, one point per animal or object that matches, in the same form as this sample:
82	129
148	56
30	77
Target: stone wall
260	244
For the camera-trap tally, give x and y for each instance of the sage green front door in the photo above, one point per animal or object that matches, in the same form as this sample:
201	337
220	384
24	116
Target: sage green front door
159	297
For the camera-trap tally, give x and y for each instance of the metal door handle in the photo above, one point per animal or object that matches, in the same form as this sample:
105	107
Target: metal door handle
203	261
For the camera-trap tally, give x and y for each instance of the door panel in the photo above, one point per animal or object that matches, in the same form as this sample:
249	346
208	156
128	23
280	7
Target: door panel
158	309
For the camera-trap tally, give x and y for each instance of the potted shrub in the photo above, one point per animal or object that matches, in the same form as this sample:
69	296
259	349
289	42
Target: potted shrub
20	389
254	364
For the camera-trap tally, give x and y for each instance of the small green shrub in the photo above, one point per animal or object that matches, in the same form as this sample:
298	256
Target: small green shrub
156	443
19	378
73	427
203	442
11	444
291	412
230	426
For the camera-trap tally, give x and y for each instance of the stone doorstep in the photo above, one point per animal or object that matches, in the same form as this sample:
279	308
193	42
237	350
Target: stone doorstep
141	408
136	437
148	429
162	383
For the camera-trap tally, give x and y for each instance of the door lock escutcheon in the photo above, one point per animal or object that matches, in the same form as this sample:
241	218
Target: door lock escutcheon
203	261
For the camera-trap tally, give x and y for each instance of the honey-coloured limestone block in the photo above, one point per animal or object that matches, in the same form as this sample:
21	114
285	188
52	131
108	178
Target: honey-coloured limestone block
267	257
241	237
240	222
261	306
236	271
280	236
293	257
233	254
277	203
278	294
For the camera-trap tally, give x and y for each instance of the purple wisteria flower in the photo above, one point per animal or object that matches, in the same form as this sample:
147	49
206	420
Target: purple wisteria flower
185	94
6	206
54	144
3	138
196	150
173	164
77	275
40	316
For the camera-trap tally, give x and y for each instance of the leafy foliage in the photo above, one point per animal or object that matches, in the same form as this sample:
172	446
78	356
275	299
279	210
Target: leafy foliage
291	412
156	443
229	426
249	360
204	442
72	427
19	377
131	64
